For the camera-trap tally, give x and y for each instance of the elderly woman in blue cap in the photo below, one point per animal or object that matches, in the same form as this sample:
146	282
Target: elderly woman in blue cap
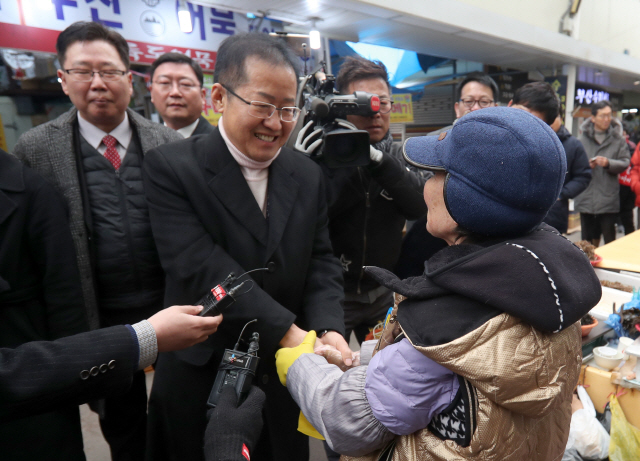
481	358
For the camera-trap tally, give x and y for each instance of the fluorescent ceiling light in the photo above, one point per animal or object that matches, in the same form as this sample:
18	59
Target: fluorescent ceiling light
314	40
184	17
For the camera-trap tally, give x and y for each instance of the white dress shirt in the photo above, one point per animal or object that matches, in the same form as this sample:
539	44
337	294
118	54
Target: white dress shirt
93	135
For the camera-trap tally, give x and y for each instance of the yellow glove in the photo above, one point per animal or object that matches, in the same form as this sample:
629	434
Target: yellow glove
287	355
306	428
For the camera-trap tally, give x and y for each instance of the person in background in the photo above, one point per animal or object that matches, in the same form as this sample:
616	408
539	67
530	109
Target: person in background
627	196
178	94
40	299
540	99
481	358
93	155
634	179
368	206
608	154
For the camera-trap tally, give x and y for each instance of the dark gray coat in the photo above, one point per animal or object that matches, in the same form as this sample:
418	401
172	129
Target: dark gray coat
50	149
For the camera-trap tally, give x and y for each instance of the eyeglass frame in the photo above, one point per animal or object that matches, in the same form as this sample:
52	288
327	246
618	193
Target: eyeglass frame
169	85
117	74
251	103
476	101
390	105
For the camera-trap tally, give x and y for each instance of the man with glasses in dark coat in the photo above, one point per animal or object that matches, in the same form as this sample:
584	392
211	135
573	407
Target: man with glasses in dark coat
235	201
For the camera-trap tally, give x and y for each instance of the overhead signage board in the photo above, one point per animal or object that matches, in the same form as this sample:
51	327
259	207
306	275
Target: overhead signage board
587	95
150	27
401	108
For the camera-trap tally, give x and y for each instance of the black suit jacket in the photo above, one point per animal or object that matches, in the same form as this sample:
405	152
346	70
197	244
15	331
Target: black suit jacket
40	291
203	127
207	223
40	376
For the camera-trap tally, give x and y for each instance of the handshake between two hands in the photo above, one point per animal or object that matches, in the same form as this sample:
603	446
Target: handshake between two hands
332	346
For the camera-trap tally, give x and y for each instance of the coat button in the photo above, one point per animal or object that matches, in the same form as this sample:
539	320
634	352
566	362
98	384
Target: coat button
112	365
103	368
84	375
94	371
271	266
265	379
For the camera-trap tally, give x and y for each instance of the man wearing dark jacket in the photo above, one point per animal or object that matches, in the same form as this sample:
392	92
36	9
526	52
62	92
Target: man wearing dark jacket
577	179
40	299
93	154
368	205
540	99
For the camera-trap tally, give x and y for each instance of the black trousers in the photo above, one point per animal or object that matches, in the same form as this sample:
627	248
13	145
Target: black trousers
53	436
595	225
627	205
123	419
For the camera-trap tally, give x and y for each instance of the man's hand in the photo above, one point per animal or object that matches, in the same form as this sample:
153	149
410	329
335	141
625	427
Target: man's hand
287	355
179	327
335	339
293	336
599	161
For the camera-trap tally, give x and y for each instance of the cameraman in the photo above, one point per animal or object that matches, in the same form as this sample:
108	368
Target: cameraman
368	205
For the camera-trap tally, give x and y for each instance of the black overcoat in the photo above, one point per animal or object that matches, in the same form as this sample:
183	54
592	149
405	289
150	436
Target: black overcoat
207	223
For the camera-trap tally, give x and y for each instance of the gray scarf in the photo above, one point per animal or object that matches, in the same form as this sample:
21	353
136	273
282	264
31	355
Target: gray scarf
384	145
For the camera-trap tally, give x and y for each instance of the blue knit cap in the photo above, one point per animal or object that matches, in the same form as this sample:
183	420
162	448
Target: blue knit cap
505	169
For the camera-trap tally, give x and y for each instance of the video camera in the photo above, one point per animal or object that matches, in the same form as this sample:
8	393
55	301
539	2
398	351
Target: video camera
340	147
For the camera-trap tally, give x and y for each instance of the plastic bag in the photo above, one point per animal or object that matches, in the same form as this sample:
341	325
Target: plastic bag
625	438
586	434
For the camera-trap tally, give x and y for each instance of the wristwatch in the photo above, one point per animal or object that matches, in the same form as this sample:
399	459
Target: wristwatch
320	334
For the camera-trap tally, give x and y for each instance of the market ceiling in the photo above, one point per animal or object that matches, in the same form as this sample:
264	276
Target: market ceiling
438	31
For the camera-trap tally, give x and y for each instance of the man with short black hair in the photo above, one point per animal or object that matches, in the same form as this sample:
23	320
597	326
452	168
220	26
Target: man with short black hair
236	200
369	205
540	99
608	156
476	91
178	94
93	154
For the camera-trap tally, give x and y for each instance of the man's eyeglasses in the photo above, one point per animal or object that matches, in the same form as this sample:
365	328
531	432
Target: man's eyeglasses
604	116
85	75
265	110
184	86
385	105
482	103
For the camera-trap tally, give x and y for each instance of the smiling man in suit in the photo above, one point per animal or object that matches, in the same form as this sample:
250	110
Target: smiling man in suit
234	201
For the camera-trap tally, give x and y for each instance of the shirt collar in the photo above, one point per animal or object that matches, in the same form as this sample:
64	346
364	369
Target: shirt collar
188	130
93	135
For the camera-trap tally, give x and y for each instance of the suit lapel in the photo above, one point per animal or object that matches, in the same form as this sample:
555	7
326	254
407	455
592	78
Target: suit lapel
225	179
283	193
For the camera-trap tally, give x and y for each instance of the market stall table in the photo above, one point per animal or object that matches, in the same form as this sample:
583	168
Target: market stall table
621	254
